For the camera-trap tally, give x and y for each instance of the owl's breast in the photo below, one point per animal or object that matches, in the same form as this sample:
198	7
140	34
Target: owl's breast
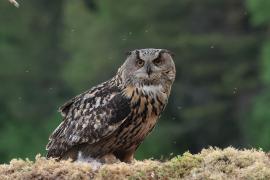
145	111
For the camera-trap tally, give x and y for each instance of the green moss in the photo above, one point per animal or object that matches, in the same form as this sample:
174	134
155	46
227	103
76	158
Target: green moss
211	163
179	166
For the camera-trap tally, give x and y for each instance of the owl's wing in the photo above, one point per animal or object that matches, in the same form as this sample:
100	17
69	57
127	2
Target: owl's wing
89	118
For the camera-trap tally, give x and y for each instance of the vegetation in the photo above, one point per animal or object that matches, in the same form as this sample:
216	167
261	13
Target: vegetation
209	164
52	50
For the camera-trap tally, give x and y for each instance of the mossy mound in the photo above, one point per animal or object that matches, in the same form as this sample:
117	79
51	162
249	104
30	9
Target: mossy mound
211	163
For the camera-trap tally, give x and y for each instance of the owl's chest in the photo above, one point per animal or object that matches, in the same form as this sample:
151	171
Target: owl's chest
145	110
136	127
141	127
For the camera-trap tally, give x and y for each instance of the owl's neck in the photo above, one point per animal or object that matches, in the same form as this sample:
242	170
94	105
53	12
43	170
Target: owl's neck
149	91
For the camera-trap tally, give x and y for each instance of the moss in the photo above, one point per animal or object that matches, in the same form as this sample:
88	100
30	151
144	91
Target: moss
179	166
211	163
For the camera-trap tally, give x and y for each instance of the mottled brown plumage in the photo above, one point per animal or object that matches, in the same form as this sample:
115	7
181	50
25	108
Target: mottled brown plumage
113	118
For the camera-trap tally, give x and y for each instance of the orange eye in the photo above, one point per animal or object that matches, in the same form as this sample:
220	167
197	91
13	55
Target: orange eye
140	63
157	61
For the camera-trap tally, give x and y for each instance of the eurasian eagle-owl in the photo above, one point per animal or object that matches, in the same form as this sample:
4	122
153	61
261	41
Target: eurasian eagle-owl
113	118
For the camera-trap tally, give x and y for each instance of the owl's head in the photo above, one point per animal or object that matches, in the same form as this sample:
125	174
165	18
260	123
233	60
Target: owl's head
148	67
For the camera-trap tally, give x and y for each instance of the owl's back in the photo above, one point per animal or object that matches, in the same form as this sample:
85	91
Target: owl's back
89	118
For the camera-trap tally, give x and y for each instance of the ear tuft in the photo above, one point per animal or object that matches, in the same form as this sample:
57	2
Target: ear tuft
168	51
128	53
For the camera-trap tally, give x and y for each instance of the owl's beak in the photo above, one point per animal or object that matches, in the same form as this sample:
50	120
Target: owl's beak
149	70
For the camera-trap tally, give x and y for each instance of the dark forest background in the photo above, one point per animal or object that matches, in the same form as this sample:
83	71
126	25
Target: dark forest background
52	50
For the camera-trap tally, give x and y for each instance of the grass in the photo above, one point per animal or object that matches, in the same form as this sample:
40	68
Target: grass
211	163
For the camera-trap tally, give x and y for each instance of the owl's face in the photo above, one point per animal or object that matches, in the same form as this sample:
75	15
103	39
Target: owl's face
149	67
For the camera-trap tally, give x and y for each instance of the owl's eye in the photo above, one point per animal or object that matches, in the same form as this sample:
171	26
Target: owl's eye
157	62
140	62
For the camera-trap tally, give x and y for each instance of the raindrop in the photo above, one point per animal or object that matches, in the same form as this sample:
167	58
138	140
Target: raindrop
130	33
212	46
146	31
27	71
15	3
179	107
235	90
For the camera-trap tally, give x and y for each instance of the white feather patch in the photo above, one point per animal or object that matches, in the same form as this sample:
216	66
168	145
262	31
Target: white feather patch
95	164
97	102
152	88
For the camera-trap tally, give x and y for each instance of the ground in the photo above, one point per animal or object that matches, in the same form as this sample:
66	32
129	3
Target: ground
211	163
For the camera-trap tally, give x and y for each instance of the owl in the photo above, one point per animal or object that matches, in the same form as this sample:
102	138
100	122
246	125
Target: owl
113	118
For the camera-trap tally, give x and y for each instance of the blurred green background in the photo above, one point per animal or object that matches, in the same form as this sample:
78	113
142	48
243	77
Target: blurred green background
52	50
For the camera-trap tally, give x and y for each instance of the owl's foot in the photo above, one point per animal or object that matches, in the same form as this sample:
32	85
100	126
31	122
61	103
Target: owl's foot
109	159
129	158
126	156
